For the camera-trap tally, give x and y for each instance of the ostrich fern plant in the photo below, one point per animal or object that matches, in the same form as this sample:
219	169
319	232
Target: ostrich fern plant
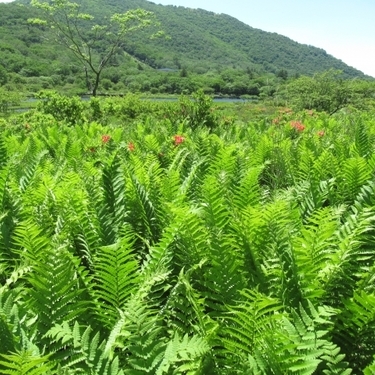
234	250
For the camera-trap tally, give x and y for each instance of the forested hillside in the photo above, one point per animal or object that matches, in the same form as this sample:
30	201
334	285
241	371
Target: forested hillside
203	50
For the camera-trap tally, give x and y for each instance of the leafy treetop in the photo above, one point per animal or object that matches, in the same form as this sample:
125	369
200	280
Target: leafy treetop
92	44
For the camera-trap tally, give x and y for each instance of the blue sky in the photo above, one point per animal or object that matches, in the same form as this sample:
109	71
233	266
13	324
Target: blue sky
344	28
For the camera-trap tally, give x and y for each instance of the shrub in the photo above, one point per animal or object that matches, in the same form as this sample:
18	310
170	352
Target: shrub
61	107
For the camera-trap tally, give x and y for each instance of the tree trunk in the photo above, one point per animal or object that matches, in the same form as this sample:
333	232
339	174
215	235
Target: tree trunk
96	84
88	84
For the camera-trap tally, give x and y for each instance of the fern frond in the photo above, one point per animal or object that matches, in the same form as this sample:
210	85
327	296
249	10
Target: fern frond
25	363
334	361
246	323
192	180
354	329
355	173
183	355
365	196
353	253
314	250
145	344
56	293
3	153
280	264
83	352
222	278
8	322
9	210
30	241
301	345
116	273
113	212
185	308
29	170
363	141
143	216
247	190
370	369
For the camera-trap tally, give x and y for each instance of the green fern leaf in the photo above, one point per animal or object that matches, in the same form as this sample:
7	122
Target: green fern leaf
362	140
56	293
31	241
3	153
117	275
355	173
370	369
25	363
82	352
7	343
354	329
113	211
184	354
146	339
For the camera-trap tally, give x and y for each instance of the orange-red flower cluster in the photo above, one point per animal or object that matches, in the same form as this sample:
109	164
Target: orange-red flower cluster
297	125
320	133
131	146
178	139
106	138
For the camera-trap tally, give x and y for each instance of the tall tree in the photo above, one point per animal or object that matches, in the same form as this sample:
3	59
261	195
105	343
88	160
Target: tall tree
94	45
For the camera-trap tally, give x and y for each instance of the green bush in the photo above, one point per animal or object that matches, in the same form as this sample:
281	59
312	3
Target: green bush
63	108
8	99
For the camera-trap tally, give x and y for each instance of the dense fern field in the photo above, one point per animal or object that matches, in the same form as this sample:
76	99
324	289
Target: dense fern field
165	245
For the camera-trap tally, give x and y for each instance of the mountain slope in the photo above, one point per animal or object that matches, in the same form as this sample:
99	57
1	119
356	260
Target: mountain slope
221	40
204	40
219	53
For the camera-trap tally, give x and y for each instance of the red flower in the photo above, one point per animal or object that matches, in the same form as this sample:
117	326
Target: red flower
131	146
297	125
321	133
178	139
106	138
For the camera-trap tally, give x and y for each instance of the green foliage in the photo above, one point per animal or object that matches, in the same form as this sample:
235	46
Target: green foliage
182	245
198	111
24	363
74	30
326	91
8	100
83	351
183	354
117	277
109	51
55	296
61	107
